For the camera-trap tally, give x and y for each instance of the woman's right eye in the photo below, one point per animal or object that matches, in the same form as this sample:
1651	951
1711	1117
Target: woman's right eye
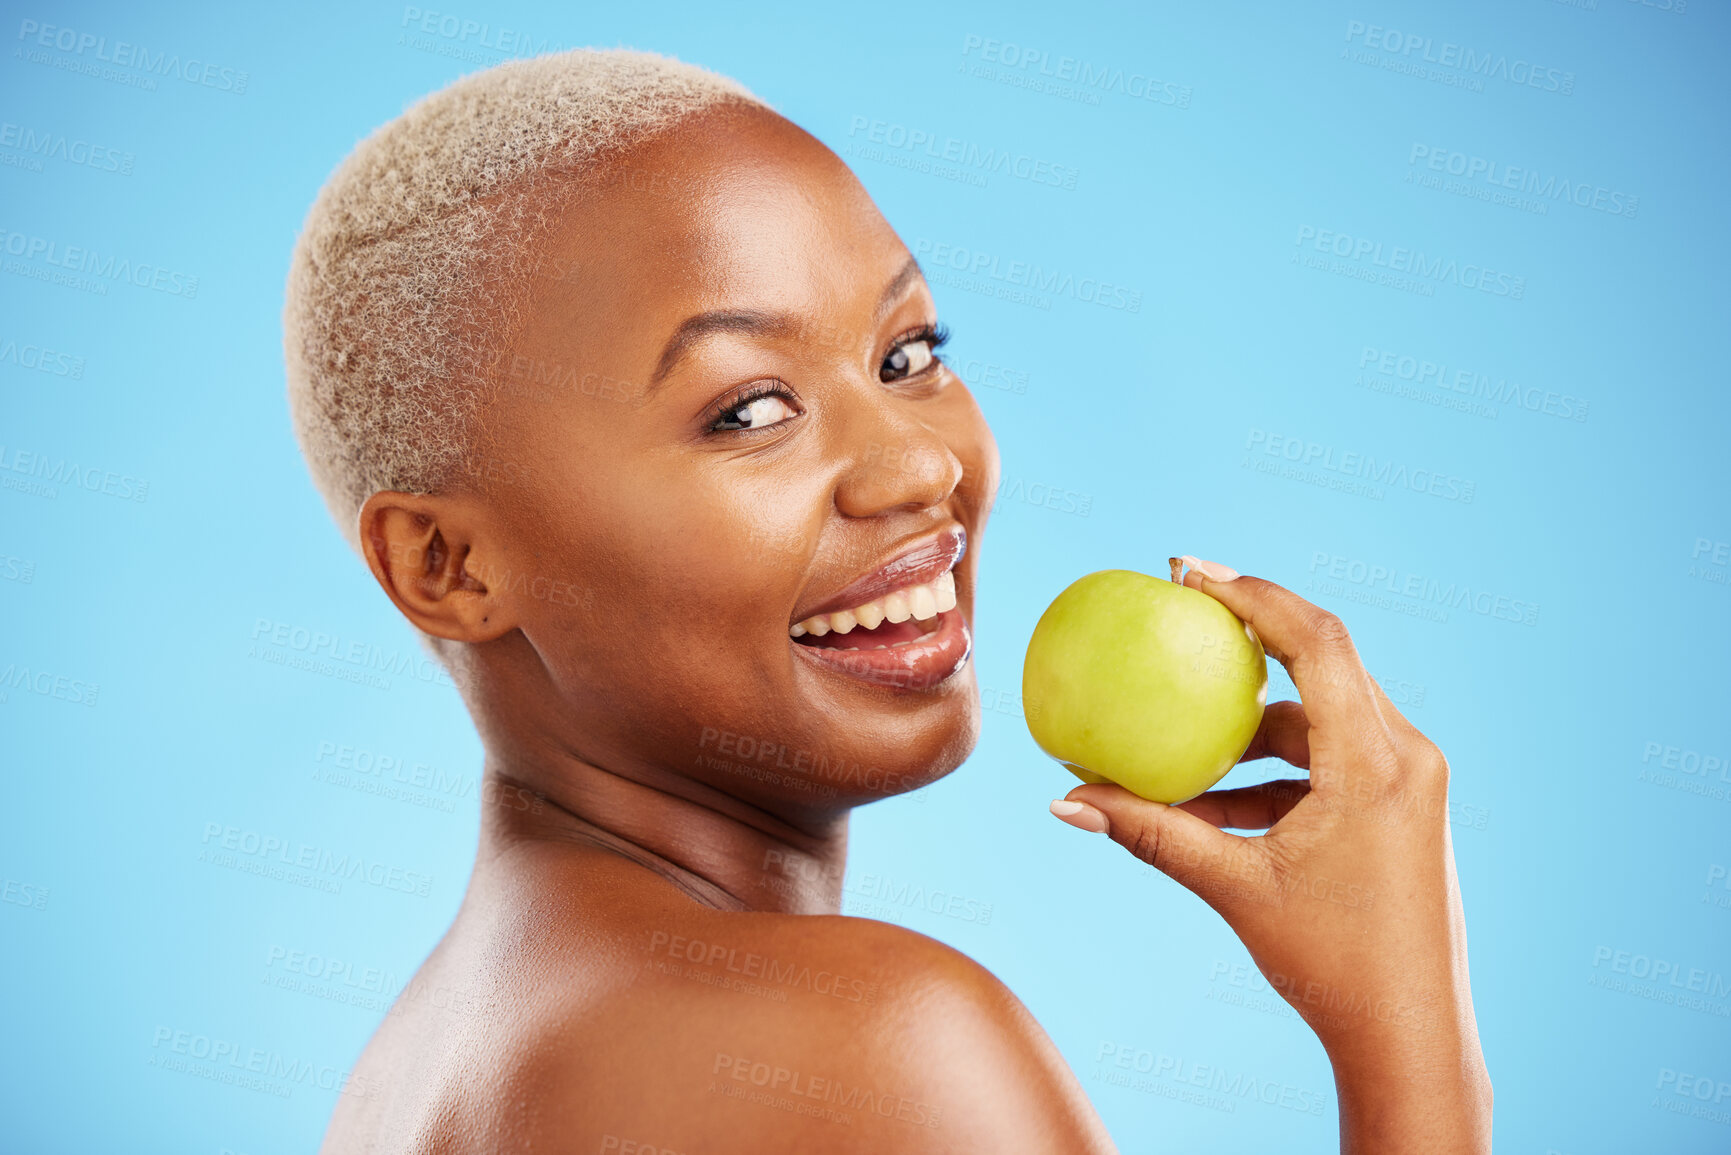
756	413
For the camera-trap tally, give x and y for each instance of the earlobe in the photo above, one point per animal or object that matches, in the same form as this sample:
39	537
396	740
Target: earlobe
424	553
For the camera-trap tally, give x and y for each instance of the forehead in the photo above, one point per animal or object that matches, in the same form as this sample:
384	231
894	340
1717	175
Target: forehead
732	208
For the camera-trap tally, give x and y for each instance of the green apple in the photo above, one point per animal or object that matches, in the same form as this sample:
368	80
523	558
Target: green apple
1140	681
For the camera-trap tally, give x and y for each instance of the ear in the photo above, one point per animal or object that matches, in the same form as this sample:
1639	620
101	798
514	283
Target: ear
426	552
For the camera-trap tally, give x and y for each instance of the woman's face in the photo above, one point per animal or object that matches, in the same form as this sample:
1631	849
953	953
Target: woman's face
720	418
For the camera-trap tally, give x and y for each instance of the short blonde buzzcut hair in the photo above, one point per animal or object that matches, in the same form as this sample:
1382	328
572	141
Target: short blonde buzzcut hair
415	255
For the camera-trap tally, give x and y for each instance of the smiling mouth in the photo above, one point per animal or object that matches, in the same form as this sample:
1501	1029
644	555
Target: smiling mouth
900	616
898	626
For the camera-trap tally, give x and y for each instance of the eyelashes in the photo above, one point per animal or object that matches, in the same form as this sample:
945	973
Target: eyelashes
743	411
722	419
931	336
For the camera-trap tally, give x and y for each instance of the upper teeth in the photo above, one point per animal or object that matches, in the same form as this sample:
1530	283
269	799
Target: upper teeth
919	602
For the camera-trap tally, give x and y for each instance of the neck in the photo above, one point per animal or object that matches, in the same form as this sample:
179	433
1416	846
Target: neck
721	850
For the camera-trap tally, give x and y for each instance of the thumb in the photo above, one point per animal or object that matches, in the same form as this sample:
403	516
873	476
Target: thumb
1191	851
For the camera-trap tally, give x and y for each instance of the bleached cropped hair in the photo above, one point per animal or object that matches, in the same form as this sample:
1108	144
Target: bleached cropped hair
413	258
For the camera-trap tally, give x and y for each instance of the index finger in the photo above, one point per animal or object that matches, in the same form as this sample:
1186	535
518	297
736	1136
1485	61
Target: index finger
1317	651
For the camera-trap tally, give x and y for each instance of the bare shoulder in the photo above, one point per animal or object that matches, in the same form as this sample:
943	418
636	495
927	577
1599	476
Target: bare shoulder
754	1032
607	1014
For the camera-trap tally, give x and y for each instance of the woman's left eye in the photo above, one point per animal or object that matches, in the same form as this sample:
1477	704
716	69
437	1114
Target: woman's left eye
756	413
915	355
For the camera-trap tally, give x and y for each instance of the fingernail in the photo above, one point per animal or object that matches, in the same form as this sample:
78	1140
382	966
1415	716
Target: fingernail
1080	815
1212	570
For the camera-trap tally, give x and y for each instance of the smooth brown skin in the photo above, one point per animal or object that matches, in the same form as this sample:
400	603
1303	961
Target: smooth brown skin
563	1011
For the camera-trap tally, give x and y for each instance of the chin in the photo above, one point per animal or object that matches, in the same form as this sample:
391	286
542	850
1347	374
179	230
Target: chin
938	738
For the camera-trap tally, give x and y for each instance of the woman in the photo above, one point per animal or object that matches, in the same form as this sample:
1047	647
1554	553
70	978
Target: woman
631	401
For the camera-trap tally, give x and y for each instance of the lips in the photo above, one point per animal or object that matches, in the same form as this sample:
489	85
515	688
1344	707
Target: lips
896	626
917	564
921	664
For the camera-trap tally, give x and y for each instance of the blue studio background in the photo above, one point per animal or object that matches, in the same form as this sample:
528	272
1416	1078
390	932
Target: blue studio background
1480	245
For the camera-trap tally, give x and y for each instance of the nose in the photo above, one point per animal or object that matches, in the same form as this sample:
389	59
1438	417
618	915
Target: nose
897	462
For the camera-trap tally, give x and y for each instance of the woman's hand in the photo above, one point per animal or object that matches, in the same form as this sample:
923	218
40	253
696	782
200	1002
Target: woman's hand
1349	903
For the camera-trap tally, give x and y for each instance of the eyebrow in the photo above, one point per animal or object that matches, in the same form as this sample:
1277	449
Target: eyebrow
758	323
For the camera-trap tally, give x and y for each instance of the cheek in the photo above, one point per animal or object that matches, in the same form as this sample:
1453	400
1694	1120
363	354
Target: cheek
673	569
975	447
988	448
761	528
725	543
